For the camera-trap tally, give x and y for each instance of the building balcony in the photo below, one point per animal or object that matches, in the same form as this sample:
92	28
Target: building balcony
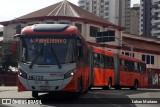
155	31
154	6
153	21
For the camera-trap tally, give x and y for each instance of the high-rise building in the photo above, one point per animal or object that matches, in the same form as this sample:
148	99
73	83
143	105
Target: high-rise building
150	18
134	19
114	11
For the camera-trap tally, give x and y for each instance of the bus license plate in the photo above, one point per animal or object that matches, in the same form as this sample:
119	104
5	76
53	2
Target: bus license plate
45	88
33	77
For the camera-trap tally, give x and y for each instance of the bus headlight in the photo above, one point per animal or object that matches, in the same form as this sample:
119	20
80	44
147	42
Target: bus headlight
69	74
22	73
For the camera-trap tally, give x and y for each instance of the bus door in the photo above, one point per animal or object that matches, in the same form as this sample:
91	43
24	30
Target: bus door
98	69
124	72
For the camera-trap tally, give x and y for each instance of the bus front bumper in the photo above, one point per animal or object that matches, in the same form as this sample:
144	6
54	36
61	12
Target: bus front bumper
68	85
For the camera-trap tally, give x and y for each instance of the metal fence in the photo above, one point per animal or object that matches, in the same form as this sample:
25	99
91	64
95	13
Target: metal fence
8	79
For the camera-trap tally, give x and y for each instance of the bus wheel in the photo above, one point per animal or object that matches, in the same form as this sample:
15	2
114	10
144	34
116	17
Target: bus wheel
80	88
80	85
135	85
35	94
109	85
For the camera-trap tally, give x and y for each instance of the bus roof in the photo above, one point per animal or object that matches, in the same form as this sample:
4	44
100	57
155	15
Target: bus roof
49	29
102	51
109	53
130	58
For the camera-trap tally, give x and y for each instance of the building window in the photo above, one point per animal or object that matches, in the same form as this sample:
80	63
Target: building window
106	8
82	7
93	31
106	14
107	3
152	59
87	3
143	58
148	59
79	26
81	2
64	23
128	54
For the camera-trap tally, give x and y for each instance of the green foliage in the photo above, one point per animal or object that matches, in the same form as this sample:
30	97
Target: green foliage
8	59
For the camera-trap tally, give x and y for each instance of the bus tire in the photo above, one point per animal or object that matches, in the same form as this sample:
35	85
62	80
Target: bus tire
135	85
80	85
109	85
35	94
80	88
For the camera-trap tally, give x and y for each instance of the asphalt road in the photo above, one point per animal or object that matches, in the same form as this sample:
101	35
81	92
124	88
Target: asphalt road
94	98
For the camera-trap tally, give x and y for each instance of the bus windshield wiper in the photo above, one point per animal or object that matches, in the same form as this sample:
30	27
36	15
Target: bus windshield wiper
56	58
36	57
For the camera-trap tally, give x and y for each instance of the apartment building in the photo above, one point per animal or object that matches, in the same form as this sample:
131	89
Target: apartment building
150	18
134	19
114	11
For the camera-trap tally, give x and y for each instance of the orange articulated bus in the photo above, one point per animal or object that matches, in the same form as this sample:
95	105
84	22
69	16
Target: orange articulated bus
115	70
52	57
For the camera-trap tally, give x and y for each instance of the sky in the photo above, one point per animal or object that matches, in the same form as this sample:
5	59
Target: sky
11	9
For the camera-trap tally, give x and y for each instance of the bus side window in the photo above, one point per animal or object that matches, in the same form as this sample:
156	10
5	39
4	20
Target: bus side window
122	64
111	62
139	69
126	65
96	60
131	66
106	62
142	68
135	66
101	61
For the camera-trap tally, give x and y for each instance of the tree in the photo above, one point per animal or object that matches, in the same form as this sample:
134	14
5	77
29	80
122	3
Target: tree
8	59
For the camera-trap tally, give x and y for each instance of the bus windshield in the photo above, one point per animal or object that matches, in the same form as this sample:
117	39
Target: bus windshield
49	51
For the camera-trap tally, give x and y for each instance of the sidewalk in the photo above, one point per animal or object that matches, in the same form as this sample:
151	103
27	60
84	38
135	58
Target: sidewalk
7	88
155	89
